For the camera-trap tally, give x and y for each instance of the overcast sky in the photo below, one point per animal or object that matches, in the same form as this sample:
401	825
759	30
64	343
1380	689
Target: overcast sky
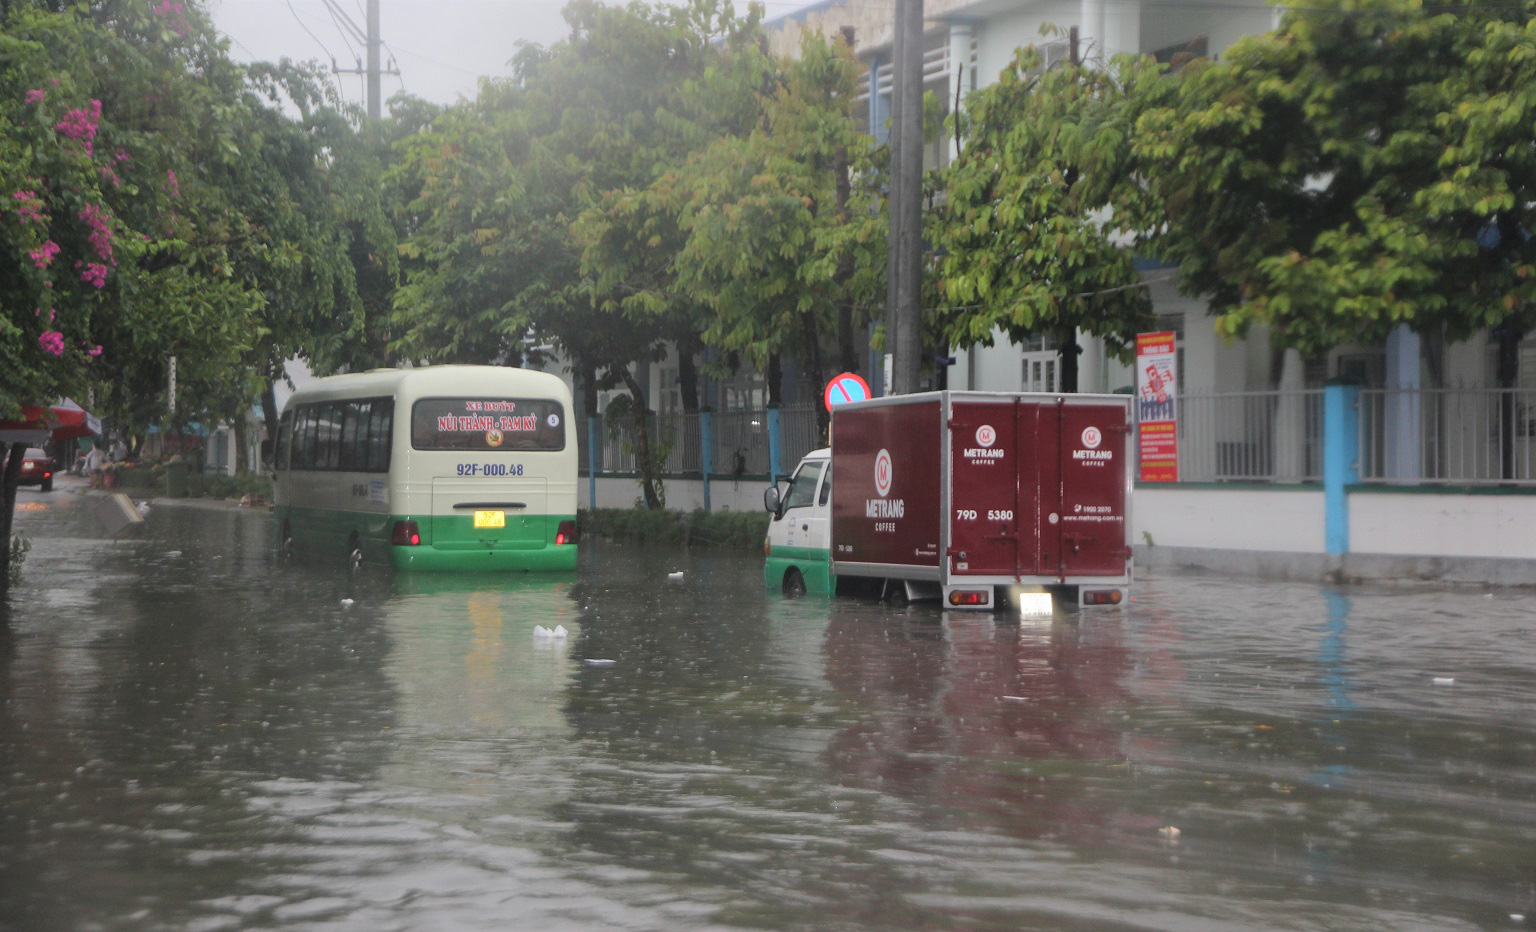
440	47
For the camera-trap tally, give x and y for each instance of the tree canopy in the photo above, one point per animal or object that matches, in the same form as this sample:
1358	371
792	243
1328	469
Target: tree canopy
1037	231
1361	167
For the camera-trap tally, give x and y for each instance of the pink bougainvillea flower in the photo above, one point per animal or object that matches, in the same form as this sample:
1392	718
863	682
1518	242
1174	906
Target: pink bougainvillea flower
36	96
93	273
43	255
52	342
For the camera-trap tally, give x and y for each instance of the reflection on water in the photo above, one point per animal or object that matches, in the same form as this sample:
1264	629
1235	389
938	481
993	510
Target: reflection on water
193	738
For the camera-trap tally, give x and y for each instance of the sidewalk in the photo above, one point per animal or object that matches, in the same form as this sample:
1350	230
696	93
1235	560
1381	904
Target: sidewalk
155	495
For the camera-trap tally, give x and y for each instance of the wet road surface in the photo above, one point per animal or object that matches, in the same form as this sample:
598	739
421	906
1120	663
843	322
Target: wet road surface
193	737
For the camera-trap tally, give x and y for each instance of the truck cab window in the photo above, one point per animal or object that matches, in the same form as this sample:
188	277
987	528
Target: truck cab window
826	488
802	488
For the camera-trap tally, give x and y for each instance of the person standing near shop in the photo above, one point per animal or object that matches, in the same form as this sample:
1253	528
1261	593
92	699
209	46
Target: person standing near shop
94	461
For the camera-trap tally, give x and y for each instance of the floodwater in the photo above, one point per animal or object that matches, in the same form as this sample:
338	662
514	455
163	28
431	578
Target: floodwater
195	738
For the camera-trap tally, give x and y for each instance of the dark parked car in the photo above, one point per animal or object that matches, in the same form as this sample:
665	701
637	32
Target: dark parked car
37	469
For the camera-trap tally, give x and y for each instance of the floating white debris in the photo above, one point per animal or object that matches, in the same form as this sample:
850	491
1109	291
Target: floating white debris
1445	681
599	662
539	631
1168	831
346	603
173	554
675	577
1517	917
560	631
142	508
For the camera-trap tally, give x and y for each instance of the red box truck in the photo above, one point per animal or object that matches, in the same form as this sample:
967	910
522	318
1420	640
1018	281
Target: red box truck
980	499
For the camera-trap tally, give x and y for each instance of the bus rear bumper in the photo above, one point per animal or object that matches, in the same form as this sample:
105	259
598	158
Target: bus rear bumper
430	559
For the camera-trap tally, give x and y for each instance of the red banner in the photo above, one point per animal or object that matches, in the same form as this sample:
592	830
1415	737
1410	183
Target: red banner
1157	380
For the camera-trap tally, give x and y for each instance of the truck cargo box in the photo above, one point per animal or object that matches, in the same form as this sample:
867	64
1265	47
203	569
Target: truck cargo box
976	490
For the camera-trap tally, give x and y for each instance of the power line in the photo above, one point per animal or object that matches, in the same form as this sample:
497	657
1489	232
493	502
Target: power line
323	48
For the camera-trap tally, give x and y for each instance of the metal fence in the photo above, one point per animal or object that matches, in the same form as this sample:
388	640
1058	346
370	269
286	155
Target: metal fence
1464	436
738	442
1268	436
1456	436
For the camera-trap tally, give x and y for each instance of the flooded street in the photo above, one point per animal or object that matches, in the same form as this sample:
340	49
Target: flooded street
193	737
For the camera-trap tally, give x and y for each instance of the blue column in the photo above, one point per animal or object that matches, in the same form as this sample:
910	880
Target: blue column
594	457
773	445
706	451
1341	462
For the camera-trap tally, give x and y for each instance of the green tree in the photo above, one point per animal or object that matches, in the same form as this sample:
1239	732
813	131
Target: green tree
1361	168
784	241
1039	224
93	283
491	264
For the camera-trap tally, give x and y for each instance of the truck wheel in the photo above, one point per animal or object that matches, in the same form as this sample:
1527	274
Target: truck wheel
794	584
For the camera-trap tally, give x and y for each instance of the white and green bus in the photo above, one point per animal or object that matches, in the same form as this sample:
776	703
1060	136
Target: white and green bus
437	468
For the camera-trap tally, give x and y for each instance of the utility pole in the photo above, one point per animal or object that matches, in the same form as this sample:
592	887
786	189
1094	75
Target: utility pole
904	268
371	41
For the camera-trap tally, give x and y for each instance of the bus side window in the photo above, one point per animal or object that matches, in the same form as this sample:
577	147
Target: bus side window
380	429
826	487
802	488
350	416
303	437
329	444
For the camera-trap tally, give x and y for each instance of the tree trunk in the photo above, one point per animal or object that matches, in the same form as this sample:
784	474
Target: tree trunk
814	377
14	453
269	410
1069	352
775	376
688	373
242	444
644	461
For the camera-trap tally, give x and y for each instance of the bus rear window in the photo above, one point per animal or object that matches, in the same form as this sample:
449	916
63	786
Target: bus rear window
489	424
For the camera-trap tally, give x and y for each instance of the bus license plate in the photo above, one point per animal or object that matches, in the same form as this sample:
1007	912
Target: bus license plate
490	519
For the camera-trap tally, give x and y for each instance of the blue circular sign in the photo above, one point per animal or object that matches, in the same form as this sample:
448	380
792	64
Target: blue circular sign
845	388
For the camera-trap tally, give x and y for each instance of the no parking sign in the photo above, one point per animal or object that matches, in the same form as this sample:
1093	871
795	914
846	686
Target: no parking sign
843	389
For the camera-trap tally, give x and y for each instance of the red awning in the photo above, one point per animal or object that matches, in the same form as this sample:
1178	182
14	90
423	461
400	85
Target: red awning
63	421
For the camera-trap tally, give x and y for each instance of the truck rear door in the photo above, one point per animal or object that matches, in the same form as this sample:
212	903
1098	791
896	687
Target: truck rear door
1037	488
993	492
1089	531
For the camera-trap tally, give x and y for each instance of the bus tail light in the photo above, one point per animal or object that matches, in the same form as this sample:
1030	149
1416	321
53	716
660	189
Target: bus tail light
405	534
566	534
1101	596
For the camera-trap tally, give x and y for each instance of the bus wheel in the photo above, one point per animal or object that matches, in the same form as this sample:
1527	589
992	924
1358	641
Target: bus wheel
794	584
354	554
285	544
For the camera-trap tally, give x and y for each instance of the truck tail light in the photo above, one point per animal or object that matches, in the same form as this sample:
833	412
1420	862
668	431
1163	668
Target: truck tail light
1101	596
970	597
405	534
566	534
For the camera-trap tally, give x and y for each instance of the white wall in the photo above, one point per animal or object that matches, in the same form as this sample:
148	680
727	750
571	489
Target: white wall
1427	524
1279	520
